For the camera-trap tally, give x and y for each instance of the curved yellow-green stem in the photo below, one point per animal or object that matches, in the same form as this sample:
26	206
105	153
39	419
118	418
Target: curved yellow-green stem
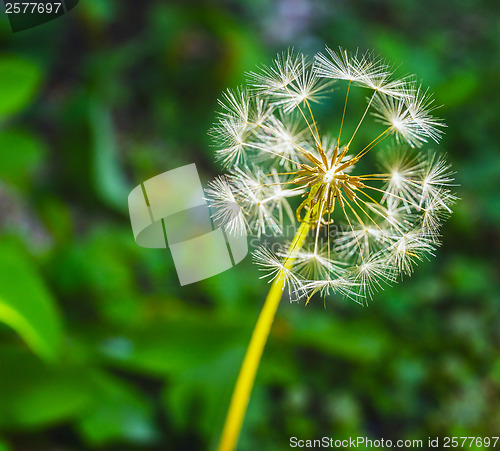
246	377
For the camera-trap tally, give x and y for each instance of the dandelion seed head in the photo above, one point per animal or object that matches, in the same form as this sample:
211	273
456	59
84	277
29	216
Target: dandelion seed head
287	169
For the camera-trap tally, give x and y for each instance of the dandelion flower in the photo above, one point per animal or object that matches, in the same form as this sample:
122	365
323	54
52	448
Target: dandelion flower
345	226
359	228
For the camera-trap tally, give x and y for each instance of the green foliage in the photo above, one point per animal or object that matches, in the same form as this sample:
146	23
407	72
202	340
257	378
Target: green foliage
109	179
25	303
34	394
100	347
19	79
117	412
20	153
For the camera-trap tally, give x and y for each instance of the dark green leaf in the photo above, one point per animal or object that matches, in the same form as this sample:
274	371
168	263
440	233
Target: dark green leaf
25	303
19	79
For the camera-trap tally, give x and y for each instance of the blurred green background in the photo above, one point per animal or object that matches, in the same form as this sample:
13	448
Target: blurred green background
100	348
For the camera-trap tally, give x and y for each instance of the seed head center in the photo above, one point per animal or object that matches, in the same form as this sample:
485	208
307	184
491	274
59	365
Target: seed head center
331	175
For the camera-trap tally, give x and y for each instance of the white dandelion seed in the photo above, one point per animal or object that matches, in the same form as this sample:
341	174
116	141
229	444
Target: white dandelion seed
374	74
371	275
360	239
395	113
225	209
285	69
264	205
395	217
275	269
409	116
409	249
240	127
285	138
363	70
435	176
235	106
230	138
342	66
326	287
436	210
403	168
317	264
420	105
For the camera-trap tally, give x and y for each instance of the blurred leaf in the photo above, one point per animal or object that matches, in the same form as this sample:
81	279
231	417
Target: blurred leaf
230	287
109	282
98	11
25	303
4	446
359	341
396	48
243	49
35	394
469	278
458	89
118	412
20	153
172	346
56	217
109	180
200	395
495	371
19	79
